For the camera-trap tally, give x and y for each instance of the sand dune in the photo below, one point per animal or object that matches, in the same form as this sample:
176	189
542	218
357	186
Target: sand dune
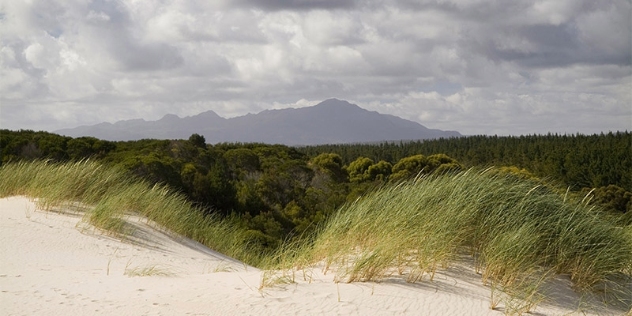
55	264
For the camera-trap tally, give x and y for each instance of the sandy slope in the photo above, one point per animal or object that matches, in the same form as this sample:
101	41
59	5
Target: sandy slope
54	264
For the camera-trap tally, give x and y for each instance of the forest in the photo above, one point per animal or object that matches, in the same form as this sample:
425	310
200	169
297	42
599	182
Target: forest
278	192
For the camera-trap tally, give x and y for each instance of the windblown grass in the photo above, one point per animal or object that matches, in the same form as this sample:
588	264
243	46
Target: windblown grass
110	194
519	232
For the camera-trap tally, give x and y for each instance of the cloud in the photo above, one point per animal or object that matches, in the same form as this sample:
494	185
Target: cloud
478	67
301	5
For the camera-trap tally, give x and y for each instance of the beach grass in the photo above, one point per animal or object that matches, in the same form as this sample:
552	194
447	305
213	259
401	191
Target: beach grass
109	194
518	232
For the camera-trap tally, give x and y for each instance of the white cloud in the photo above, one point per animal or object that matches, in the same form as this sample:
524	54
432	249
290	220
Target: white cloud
479	67
327	28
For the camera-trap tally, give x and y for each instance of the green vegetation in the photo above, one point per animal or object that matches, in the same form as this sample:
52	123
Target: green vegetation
575	161
291	212
274	191
489	213
278	193
520	232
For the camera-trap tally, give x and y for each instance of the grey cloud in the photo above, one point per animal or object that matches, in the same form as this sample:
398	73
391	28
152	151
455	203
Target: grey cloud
487	27
118	34
236	26
444	88
554	46
48	17
227	33
33	85
148	57
308	88
490	10
118	15
275	5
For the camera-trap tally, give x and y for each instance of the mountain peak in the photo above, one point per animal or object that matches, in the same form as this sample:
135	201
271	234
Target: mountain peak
207	114
329	103
170	118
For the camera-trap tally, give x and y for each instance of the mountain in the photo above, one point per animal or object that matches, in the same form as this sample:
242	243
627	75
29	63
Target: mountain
329	122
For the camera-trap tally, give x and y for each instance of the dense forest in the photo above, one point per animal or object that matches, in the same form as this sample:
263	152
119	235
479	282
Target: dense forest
278	192
577	161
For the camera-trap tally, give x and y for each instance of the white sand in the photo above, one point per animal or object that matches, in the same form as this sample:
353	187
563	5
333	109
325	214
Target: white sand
54	264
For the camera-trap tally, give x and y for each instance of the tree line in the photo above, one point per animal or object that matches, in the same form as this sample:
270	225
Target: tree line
576	161
279	192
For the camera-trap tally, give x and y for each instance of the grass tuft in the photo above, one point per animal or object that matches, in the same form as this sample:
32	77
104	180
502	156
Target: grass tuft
110	194
150	270
519	231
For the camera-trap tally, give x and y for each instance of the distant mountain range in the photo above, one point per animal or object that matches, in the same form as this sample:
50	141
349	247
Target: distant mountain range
329	122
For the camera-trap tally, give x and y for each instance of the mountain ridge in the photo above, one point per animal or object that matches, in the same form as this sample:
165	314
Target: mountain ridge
332	121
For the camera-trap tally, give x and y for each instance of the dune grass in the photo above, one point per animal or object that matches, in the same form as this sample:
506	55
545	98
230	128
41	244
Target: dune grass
109	194
519	232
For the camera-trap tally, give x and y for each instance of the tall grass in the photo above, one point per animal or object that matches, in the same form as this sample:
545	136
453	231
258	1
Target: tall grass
520	232
110	194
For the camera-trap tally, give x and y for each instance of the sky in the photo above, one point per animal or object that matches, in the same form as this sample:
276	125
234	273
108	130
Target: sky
474	66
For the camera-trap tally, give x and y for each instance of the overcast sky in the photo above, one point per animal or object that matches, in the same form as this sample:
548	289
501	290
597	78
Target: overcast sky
475	66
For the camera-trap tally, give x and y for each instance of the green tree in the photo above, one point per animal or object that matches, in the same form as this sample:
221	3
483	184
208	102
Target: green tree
331	165
380	171
197	140
408	167
88	147
359	169
221	193
613	198
442	163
